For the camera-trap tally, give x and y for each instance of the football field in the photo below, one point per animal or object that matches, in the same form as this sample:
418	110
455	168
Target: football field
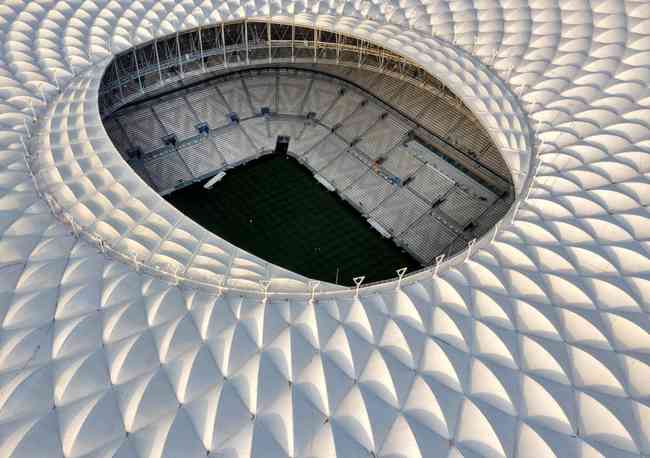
274	208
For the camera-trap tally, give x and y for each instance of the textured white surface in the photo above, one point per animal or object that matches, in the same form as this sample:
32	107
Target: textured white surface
539	345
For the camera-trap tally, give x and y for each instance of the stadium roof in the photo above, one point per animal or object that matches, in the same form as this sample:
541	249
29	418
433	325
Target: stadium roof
535	343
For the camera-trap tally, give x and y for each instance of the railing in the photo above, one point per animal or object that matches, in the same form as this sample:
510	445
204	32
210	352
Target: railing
145	60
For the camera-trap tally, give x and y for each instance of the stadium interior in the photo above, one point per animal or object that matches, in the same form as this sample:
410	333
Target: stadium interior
368	125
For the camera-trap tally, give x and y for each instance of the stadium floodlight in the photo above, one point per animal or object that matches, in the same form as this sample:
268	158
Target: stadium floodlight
468	251
400	274
357	281
439	259
313	285
265	288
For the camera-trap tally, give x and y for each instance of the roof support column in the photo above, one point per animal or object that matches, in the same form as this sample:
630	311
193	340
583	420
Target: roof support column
201	48
137	70
155	47
293	41
246	42
268	37
338	48
119	82
360	48
178	50
223	44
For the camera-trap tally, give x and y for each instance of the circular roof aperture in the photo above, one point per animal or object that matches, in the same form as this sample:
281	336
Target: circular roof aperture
386	168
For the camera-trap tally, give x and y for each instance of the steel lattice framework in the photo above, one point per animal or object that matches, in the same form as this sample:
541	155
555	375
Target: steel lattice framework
534	342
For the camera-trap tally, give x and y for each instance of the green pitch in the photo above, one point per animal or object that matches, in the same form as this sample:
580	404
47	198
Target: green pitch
274	208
